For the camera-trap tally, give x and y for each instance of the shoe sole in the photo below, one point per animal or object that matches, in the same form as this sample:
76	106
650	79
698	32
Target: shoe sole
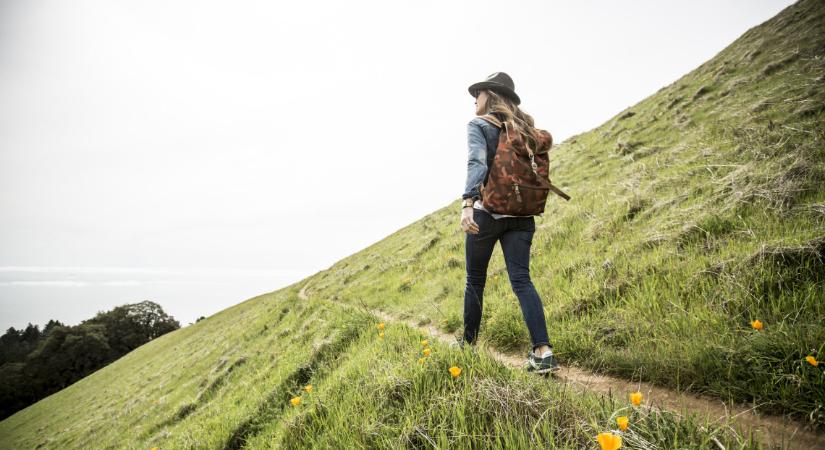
542	371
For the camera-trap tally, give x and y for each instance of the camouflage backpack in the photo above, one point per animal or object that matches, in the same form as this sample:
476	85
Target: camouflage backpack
518	180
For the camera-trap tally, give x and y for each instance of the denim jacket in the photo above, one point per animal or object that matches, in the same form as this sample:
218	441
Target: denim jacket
482	141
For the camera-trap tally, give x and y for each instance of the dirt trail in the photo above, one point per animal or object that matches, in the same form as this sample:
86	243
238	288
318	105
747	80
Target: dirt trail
771	430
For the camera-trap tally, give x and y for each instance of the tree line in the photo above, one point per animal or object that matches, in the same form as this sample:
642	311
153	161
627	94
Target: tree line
35	363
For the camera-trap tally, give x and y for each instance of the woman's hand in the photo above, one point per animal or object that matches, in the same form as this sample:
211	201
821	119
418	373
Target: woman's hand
468	225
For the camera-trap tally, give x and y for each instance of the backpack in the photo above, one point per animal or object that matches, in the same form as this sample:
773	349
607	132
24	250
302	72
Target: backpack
518	180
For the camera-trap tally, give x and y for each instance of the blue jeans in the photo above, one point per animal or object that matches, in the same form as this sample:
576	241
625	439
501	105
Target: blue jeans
516	236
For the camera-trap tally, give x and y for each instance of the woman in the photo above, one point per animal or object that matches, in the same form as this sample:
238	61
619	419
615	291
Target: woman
496	95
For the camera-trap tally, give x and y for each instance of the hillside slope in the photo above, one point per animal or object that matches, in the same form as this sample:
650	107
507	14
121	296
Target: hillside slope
227	383
694	212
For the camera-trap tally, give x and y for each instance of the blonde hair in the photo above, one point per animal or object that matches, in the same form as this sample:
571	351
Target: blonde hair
513	117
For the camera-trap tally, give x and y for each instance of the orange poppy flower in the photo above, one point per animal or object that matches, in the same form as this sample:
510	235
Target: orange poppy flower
609	441
636	398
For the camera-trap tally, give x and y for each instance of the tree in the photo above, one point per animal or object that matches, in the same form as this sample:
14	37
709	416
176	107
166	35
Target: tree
15	390
31	334
10	348
69	354
34	364
51	324
16	344
130	326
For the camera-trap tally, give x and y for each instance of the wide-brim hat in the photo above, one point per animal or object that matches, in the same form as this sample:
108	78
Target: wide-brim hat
499	82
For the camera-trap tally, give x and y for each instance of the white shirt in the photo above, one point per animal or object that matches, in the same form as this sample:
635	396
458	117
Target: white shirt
477	205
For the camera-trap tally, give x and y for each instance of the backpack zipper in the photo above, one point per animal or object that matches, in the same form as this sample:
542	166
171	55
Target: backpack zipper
533	164
518	193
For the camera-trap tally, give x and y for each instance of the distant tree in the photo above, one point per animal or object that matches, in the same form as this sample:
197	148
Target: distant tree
34	364
16	344
16	391
10	348
51	324
31	334
130	326
11	333
199	319
68	354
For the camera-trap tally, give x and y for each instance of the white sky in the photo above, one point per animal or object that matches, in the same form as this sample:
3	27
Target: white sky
198	153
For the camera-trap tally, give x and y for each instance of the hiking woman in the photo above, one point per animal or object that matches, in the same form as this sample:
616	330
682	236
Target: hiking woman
496	96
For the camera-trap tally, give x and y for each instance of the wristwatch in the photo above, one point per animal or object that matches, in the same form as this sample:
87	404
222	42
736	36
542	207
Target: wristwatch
468	202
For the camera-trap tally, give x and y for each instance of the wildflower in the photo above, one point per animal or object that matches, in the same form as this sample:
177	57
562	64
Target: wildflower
609	441
636	398
381	335
308	388
380	326
455	371
426	352
756	324
295	401
425	343
622	421
421	360
811	360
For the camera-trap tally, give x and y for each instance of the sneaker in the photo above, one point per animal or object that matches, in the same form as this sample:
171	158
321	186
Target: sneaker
460	344
541	364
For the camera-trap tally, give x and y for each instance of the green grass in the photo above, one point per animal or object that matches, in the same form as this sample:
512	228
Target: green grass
694	215
226	382
694	212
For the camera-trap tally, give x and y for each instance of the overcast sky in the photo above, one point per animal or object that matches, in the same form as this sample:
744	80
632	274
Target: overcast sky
199	153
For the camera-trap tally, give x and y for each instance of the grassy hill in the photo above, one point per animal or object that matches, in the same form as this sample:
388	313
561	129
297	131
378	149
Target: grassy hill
694	212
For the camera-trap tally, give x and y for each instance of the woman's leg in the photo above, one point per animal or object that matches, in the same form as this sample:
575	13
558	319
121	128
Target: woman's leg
478	248
515	244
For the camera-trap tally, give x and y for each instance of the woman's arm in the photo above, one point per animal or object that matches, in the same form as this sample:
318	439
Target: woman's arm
476	160
476	169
